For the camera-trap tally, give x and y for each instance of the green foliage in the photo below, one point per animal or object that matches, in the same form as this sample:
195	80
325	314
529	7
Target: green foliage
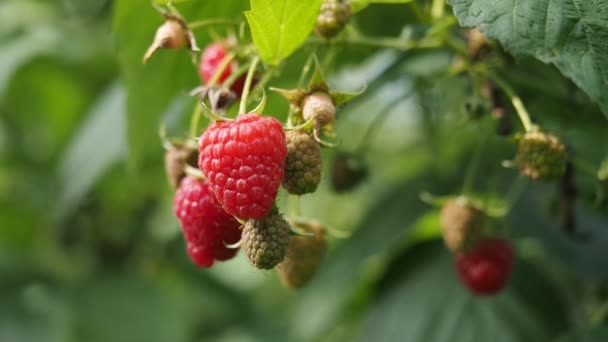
90	249
592	335
571	34
280	27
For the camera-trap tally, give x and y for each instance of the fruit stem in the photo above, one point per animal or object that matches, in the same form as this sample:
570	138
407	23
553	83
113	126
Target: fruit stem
294	206
306	68
198	110
210	22
194	172
248	81
220	69
194	120
437	9
234	76
524	117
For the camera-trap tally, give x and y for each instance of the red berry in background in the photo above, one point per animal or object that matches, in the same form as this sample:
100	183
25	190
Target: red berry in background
211	59
207	227
486	269
244	162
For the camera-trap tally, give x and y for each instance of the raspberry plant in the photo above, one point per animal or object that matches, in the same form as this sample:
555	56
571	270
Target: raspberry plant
326	170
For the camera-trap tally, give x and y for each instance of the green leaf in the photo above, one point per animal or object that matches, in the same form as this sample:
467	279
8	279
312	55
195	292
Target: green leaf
279	27
593	335
571	34
103	132
357	5
422	296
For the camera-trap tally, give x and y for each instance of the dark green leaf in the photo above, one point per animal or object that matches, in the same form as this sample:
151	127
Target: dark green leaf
103	132
279	27
596	334
571	34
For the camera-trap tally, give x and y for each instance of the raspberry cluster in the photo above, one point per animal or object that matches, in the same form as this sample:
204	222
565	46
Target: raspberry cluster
227	199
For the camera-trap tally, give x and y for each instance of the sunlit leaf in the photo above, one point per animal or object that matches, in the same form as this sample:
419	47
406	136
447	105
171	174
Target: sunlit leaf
279	27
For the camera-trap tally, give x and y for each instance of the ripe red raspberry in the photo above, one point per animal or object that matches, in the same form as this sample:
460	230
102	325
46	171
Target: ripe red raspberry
244	162
211	59
207	227
486	269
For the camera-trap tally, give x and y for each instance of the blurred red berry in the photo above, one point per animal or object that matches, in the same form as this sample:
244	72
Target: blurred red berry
486	269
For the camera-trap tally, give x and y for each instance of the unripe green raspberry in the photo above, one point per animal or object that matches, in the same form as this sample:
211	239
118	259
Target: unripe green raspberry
176	158
304	255
303	163
333	17
541	156
320	107
461	224
265	241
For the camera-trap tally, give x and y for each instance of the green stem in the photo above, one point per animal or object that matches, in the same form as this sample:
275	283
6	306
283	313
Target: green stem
418	12
437	9
211	22
294	206
198	110
235	75
248	80
220	69
306	67
524	117
195	118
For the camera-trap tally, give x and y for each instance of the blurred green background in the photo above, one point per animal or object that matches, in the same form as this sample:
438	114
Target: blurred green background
90	249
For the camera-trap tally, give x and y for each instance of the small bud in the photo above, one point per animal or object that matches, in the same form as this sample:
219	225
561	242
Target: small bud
176	159
320	106
173	34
